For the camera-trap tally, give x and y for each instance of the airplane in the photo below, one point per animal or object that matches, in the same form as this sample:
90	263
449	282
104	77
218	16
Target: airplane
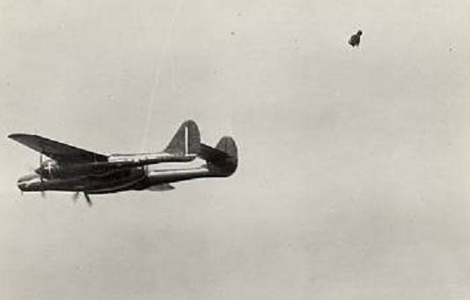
81	171
355	39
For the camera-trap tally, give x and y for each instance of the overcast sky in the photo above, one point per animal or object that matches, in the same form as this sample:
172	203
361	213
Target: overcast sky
354	163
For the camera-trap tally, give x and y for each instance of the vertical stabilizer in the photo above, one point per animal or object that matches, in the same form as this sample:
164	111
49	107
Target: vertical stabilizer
223	159
186	141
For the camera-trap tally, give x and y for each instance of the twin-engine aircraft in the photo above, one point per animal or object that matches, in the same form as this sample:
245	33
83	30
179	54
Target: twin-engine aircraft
77	170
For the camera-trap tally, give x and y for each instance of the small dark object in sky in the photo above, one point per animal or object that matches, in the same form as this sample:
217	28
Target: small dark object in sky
355	39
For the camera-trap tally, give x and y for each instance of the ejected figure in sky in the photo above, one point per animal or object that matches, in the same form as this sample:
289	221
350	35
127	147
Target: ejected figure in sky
355	39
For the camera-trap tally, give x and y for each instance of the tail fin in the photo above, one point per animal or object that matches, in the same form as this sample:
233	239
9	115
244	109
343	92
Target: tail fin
223	159
186	140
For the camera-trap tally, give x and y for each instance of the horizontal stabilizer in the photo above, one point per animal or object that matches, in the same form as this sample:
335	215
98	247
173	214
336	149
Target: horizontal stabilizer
221	160
208	153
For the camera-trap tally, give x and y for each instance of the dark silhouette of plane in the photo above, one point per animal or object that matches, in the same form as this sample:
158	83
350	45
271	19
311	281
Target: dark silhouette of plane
355	39
77	170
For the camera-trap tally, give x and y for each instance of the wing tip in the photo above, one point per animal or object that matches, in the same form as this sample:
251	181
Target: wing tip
15	136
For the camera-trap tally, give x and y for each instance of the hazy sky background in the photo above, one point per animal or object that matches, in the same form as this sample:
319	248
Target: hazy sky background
354	163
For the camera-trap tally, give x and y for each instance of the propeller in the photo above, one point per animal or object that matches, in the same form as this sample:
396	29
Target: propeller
43	193
77	195
88	200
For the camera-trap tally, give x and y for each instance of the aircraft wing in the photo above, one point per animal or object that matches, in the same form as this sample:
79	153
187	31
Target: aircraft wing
57	151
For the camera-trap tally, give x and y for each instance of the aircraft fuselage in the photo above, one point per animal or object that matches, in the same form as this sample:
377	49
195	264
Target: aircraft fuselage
51	169
113	180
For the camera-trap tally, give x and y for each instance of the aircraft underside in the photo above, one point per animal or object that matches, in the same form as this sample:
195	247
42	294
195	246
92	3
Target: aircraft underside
112	182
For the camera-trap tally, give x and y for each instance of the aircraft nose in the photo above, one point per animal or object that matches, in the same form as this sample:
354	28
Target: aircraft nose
21	185
26	183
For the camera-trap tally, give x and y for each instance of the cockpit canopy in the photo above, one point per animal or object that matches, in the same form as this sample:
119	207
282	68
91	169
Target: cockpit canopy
48	169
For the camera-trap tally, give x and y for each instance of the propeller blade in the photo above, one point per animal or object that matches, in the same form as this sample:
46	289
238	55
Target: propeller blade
88	200
40	168
75	196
